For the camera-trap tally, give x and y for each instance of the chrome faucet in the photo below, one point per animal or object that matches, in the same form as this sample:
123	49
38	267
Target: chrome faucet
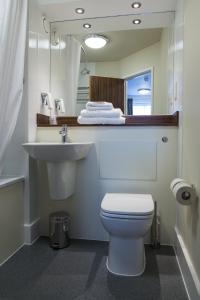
64	133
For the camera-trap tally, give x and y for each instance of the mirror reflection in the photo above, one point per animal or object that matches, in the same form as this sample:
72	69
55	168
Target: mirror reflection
132	68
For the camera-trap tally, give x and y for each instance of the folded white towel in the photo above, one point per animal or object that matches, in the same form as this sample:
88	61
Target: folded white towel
102	121
113	113
91	108
91	105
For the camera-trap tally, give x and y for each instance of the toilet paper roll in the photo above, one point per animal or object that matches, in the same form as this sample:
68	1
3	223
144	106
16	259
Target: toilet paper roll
184	193
174	182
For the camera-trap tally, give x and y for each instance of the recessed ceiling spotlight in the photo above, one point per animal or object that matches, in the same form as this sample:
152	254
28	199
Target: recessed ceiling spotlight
87	25
96	41
137	21
136	5
80	10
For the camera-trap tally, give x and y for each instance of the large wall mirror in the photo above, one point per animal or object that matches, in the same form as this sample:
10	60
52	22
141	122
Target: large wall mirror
134	69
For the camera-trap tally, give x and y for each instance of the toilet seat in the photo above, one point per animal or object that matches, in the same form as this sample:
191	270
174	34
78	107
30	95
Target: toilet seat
127	206
125	216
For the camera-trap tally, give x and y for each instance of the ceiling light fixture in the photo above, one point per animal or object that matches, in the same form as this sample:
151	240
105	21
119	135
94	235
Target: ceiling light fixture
137	21
136	5
144	91
79	10
95	41
87	25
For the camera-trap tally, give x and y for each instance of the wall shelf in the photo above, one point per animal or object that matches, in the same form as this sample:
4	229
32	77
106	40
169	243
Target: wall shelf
152	120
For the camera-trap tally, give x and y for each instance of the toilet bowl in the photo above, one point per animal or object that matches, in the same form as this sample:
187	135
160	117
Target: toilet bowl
127	218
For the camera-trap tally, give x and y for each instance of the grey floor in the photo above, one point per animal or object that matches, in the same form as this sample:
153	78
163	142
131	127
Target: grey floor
40	273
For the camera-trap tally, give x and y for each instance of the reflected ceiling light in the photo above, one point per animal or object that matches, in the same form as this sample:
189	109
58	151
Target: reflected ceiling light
144	91
137	21
136	5
87	25
96	41
79	10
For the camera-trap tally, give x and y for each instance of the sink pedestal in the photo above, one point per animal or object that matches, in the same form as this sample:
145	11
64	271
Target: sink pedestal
61	179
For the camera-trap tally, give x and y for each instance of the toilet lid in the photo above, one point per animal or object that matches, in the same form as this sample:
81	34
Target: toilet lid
128	204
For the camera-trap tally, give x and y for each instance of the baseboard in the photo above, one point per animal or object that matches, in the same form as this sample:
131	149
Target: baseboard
31	232
3	262
190	277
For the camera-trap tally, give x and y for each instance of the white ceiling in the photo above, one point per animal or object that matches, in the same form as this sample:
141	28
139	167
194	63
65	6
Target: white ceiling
46	2
115	23
58	10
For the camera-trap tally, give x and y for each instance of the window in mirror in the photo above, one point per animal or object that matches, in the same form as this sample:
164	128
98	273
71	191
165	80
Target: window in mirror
139	94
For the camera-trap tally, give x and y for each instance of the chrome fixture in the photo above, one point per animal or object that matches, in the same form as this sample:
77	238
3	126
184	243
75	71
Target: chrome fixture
54	40
164	139
85	71
136	5
44	20
137	21
79	10
87	25
64	133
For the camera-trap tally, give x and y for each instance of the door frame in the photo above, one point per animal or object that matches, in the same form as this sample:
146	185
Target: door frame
151	69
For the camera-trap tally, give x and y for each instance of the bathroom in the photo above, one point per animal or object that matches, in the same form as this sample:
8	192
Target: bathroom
142	155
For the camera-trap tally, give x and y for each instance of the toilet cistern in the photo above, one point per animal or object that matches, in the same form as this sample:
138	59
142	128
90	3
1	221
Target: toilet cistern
64	134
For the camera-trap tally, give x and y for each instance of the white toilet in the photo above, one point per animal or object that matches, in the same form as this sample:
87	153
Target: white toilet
127	218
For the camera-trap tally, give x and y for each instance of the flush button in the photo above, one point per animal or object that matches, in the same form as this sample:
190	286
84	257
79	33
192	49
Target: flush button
165	139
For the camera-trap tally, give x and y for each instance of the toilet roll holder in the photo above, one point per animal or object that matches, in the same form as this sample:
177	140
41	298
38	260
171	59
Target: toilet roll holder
186	195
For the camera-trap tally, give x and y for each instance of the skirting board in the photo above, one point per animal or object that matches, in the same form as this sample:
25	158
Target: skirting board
31	232
11	255
190	278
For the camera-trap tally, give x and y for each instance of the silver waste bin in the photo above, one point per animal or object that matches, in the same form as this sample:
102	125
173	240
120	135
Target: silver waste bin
58	229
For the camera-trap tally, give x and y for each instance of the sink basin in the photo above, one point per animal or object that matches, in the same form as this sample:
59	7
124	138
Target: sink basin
61	164
57	152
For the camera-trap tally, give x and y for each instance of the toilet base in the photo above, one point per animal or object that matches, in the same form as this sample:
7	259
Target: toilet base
126	257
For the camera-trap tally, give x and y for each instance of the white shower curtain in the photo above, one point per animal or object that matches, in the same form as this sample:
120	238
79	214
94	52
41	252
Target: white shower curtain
13	20
73	53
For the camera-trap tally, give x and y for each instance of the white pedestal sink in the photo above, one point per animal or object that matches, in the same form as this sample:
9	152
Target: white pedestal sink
61	164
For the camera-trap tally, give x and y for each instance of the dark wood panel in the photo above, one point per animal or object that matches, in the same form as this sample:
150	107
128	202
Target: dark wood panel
42	119
152	120
107	89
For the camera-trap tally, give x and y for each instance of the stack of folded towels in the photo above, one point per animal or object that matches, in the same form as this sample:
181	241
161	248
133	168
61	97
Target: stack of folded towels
101	113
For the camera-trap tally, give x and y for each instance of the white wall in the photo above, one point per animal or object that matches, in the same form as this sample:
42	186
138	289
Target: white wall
108	69
84	206
38	65
188	220
37	80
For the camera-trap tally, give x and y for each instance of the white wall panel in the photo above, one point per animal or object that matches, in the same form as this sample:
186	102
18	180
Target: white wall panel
128	160
11	220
